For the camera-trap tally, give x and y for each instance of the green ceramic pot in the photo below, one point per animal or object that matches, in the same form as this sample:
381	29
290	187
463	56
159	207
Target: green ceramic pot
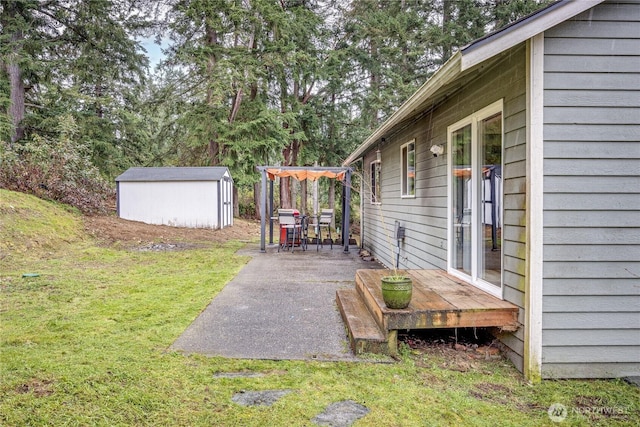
396	291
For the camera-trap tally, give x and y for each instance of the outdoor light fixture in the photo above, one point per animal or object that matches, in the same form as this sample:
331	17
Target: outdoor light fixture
378	153
437	150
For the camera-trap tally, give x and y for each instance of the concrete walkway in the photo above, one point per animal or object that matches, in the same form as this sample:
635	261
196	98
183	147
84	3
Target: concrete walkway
280	306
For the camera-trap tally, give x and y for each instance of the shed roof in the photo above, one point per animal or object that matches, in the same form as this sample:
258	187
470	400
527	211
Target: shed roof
475	53
208	173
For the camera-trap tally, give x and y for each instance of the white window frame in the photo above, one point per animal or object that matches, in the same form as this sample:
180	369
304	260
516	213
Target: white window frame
375	166
473	120
404	179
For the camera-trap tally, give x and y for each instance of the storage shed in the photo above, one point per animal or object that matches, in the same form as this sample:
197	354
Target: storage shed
195	197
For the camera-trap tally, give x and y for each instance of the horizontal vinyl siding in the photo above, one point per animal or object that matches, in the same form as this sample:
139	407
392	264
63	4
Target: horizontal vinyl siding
425	216
591	302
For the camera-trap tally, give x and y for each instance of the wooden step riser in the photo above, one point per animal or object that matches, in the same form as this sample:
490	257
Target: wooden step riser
360	346
371	301
364	334
453	319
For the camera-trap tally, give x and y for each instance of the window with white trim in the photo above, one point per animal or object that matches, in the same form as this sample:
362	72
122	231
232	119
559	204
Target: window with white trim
376	194
408	169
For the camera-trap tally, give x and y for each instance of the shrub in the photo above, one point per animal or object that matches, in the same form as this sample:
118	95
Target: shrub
57	169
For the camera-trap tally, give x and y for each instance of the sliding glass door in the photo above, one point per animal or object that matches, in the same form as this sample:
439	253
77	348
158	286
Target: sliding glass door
475	199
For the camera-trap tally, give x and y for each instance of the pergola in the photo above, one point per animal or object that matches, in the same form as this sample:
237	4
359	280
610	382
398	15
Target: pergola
300	173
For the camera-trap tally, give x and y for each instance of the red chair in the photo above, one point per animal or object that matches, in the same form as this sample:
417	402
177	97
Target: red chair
290	226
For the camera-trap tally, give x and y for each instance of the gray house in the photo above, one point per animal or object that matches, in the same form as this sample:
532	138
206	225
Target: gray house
516	167
195	197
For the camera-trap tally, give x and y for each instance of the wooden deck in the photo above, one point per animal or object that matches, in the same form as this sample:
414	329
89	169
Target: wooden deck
439	300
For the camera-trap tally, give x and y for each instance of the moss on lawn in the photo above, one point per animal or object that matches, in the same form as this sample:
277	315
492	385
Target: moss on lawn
86	343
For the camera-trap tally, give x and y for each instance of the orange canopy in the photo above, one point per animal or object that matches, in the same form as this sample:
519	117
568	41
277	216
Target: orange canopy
466	172
302	174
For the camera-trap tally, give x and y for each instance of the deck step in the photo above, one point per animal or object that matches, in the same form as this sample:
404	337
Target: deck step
364	334
371	296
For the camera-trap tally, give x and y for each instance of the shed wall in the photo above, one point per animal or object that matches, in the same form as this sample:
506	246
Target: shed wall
591	302
176	203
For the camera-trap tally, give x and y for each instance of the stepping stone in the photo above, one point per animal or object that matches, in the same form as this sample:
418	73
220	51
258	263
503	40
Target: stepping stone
633	381
259	398
341	414
238	375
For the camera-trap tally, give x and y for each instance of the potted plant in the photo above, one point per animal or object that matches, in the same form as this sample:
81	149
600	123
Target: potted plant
396	291
396	288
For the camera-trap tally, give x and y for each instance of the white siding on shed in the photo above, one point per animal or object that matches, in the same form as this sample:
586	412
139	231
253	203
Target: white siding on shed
198	197
179	204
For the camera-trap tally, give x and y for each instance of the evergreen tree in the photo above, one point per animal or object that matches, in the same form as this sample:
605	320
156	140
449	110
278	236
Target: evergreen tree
74	57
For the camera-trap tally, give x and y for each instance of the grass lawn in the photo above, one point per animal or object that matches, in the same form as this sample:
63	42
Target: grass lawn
85	342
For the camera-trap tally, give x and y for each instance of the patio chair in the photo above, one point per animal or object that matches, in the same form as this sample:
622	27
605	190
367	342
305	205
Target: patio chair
304	232
324	221
289	226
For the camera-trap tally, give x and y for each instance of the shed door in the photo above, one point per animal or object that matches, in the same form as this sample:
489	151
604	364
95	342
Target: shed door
475	220
227	202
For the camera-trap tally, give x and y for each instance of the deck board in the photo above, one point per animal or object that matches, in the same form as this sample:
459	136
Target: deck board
461	294
439	301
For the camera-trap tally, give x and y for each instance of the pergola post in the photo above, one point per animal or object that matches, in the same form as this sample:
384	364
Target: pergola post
270	212
263	210
346	210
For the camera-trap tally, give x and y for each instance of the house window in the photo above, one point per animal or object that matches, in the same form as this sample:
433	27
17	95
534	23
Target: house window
475	195
408	169
375	182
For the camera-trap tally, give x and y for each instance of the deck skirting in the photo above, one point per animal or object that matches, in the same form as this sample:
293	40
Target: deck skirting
439	300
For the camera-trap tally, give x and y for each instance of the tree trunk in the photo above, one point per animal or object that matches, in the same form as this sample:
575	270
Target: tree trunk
16	109
332	193
257	186
285	193
304	205
290	157
374	84
447	12
294	194
316	202
213	146
236	202
16	106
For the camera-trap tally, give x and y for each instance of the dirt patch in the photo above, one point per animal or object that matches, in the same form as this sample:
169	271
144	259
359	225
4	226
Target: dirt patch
494	393
39	388
111	230
463	350
162	246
